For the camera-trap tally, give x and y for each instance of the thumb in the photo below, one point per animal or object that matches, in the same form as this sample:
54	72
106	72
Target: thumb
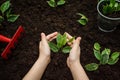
43	37
77	42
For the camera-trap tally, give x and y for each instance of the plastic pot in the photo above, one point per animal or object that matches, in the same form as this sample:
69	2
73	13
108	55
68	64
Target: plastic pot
105	23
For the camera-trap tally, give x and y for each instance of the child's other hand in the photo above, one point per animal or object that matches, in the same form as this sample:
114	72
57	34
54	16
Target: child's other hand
74	56
44	49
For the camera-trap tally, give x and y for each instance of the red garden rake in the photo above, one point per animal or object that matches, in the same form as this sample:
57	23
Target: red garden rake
11	42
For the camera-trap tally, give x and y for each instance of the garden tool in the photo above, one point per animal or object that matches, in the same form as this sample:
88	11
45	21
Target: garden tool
11	42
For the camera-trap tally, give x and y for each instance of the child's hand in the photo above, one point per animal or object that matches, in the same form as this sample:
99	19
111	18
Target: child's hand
73	60
74	56
44	49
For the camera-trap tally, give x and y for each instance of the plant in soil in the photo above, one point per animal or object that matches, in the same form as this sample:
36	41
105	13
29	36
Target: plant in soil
53	3
104	57
108	15
61	44
111	7
83	20
5	13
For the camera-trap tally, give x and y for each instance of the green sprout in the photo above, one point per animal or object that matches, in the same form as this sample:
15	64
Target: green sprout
112	6
6	13
61	42
53	3
83	20
104	57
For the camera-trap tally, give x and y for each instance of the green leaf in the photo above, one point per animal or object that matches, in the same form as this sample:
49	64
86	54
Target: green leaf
118	8
8	12
112	3
97	54
1	19
64	39
12	18
66	49
80	14
115	55
112	6
107	9
73	38
53	47
82	22
91	67
116	5
59	40
106	51
104	59
60	2
112	62
5	6
97	46
83	16
51	3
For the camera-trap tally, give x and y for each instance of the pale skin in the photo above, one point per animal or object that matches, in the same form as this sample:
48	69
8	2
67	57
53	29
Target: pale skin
73	60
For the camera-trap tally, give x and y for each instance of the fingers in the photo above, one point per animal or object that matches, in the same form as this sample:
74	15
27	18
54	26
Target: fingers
49	37
77	42
43	40
52	36
68	36
43	37
75	46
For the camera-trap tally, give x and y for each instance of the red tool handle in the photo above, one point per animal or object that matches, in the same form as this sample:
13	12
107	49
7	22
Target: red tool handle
12	42
4	39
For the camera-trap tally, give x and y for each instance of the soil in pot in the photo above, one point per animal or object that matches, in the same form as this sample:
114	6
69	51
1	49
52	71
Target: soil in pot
114	15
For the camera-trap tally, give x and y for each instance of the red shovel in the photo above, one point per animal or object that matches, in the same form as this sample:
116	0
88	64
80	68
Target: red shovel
11	42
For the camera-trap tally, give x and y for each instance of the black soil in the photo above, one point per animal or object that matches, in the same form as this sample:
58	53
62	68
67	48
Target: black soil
36	17
114	15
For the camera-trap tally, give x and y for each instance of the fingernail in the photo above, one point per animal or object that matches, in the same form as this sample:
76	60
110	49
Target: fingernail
79	38
42	34
56	32
65	32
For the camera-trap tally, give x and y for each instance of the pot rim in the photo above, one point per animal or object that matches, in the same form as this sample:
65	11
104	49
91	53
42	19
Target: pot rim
103	14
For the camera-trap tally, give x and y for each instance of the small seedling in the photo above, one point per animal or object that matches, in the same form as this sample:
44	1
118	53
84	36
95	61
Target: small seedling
104	57
6	13
53	3
112	6
83	20
61	42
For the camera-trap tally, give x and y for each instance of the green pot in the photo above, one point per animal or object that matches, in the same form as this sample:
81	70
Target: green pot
105	23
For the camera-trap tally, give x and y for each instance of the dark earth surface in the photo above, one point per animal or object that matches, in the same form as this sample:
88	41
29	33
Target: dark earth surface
36	17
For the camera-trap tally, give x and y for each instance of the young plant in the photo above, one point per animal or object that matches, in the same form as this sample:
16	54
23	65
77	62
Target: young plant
104	57
112	6
83	20
53	3
61	42
5	12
